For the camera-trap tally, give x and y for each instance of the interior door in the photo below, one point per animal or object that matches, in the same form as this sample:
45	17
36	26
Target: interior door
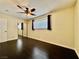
3	30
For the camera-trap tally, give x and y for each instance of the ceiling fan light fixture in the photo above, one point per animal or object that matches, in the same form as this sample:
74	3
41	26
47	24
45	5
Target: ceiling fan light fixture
28	14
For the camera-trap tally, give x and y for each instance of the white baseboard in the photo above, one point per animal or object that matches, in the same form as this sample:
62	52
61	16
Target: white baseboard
76	52
12	39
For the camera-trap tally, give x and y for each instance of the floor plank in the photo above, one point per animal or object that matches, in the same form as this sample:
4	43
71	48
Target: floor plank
28	48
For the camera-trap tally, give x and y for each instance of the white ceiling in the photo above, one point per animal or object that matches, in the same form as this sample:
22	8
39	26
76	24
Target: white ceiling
42	6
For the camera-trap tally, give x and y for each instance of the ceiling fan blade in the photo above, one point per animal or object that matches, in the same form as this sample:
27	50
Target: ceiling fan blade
32	10
20	7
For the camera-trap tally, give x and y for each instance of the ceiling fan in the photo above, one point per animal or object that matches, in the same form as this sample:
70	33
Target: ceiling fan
26	10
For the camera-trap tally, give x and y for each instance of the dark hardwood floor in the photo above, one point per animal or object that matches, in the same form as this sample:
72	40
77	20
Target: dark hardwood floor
27	48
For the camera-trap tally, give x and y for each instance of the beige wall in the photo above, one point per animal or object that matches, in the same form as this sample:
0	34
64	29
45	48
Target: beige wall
76	26
12	28
62	29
